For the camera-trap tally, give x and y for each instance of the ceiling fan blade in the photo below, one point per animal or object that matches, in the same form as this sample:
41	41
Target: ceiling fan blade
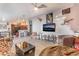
42	6
34	4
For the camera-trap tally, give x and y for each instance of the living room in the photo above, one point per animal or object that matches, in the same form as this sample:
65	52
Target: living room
39	29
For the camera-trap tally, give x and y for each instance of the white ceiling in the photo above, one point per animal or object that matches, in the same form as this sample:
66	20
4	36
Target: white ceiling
9	10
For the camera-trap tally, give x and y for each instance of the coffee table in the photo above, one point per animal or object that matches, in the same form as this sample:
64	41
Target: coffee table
28	51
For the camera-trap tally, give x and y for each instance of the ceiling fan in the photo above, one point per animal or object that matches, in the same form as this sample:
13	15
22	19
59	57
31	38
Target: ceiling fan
39	5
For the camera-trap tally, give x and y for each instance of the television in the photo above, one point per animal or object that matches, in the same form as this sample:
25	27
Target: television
50	27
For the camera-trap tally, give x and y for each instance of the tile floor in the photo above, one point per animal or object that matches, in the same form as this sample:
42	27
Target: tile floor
39	44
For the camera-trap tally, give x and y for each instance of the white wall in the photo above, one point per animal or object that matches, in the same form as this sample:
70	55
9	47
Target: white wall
74	14
60	29
38	25
72	25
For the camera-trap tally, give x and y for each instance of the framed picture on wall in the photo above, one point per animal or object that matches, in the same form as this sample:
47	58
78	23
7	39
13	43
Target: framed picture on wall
65	11
49	18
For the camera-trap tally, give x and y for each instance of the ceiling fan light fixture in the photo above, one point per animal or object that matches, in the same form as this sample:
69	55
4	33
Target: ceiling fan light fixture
35	8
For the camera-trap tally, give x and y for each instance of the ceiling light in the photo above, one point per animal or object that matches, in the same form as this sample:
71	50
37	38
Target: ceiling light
3	19
35	8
